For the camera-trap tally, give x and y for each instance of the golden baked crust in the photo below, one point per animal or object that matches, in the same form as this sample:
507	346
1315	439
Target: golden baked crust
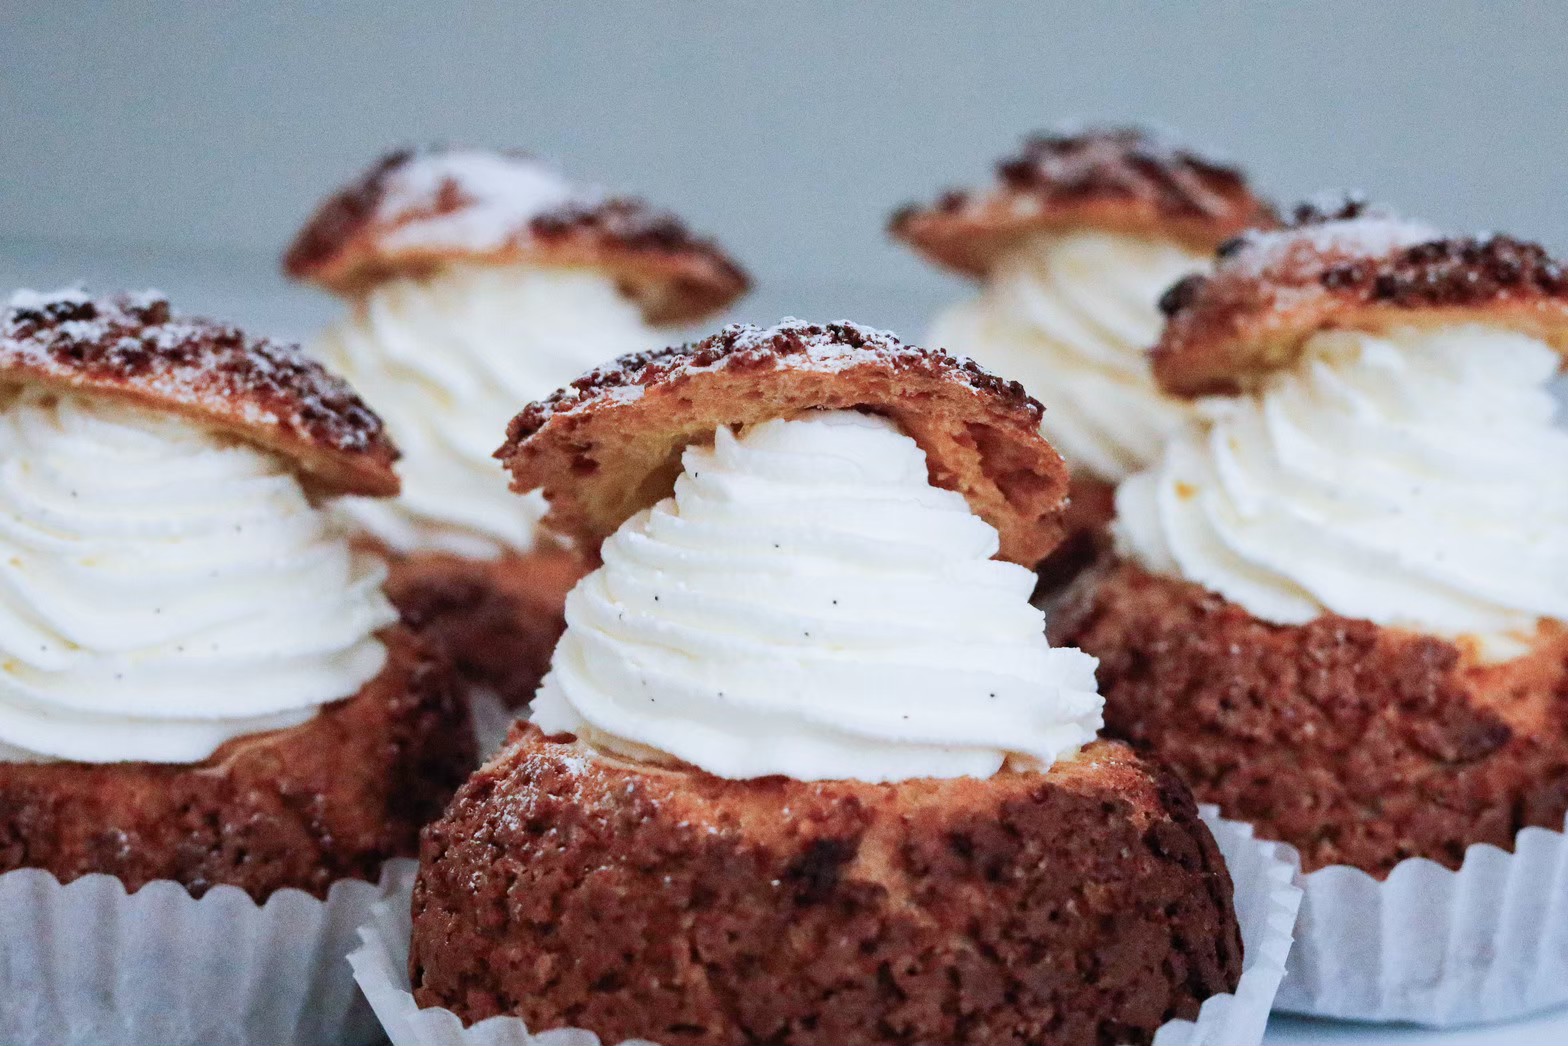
132	347
1087	904
1116	179
402	218
498	620
330	799
1357	744
610	444
1347	267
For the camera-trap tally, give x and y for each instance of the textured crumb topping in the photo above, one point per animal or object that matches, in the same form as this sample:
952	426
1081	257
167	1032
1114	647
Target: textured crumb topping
791	343
135	345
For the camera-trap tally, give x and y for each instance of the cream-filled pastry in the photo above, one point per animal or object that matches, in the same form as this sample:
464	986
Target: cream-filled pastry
1340	607
1074	248
478	281
804	723
200	678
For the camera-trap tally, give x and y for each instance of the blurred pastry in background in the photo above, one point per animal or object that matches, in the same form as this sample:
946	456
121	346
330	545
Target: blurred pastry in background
1074	245
1340	607
478	281
202	680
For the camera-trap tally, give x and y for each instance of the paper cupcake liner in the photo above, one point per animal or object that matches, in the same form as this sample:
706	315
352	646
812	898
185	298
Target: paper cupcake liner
85	962
1434	946
1266	902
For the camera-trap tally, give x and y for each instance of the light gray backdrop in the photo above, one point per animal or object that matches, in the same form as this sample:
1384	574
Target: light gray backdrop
182	143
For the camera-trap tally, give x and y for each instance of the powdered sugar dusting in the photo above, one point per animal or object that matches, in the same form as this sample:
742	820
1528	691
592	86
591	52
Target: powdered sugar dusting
473	199
1329	226
789	344
134	344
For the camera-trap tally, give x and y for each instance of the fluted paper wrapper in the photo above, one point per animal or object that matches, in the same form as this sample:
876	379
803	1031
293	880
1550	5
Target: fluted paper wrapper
87	963
1266	904
1434	946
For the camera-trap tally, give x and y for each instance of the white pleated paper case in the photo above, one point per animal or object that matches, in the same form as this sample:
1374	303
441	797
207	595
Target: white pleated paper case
87	963
1266	902
1434	946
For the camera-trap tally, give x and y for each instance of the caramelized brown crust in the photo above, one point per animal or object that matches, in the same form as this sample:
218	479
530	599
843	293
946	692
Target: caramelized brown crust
1084	905
133	348
498	620
610	444
1356	744
330	799
1116	179
355	240
1355	268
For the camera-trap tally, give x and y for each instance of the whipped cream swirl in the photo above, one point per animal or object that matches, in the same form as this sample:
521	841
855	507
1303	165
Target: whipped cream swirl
447	361
808	604
163	588
1414	479
1072	316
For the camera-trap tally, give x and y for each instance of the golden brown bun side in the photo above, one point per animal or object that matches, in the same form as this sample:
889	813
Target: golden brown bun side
610	444
1357	744
1088	904
1351	268
330	799
133	348
414	212
1113	179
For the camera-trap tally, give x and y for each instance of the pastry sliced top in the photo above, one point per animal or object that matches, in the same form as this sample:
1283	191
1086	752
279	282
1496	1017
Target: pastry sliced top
1117	180
610	444
132	347
415	211
1347	266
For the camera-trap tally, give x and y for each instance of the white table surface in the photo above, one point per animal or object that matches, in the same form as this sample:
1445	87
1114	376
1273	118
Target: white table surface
247	290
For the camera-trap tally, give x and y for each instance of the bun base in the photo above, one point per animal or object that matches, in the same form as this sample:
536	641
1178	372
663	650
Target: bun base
1087	904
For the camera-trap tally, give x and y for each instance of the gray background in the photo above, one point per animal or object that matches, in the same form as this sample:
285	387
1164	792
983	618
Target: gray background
181	143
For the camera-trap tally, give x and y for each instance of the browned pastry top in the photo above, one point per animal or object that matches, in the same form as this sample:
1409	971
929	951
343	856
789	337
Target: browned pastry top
132	347
1350	266
1116	179
610	444
416	211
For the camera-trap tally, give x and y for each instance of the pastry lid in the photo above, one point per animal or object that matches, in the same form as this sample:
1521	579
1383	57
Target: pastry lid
1114	179
610	444
1350	265
415	211
133	348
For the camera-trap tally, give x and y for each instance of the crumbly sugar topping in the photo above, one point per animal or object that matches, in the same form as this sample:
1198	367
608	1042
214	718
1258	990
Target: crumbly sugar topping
134	343
472	198
1061	169
1375	256
828	348
418	207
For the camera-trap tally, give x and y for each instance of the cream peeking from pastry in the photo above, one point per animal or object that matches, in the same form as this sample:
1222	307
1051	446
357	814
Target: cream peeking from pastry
1074	246
479	281
804	726
1339	609
192	651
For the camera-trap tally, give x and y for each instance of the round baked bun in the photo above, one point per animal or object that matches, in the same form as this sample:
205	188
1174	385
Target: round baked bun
1122	180
133	347
418	210
610	444
1349	266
